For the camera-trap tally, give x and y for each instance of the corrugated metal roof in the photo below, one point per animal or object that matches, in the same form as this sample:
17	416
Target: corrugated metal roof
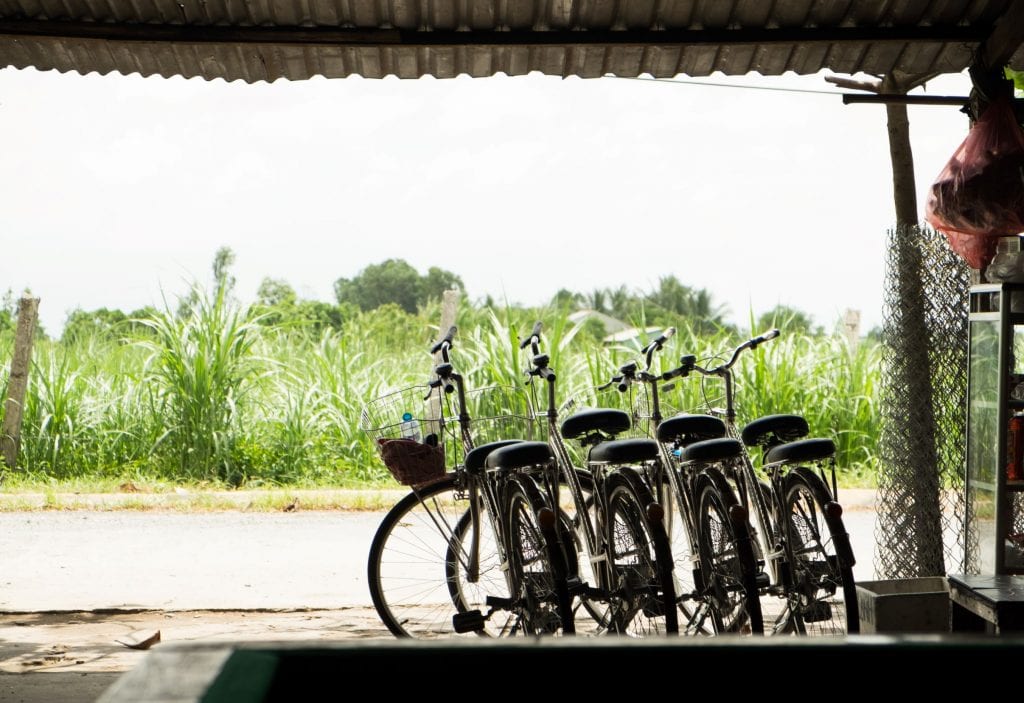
263	40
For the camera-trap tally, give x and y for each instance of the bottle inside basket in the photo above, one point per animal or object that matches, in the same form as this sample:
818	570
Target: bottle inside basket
410	427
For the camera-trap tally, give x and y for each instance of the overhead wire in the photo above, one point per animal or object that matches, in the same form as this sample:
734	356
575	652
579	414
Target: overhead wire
732	85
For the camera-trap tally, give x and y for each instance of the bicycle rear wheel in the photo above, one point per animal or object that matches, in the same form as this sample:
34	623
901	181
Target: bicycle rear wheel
728	568
693	613
643	597
825	600
417	564
540	598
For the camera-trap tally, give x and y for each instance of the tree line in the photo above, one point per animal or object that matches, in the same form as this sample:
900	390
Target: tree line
395	282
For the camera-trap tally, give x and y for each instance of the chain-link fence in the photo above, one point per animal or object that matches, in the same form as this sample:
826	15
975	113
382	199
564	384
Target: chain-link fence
923	407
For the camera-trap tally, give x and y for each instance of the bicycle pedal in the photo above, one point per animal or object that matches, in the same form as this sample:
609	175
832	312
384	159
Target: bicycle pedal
498	603
762	580
817	611
582	589
469	621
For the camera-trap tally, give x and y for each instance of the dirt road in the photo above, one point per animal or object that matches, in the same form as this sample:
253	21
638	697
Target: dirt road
76	582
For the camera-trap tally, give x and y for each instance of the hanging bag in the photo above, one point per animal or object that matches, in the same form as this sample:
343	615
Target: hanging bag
979	195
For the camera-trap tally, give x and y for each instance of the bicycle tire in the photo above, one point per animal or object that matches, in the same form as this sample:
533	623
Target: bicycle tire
822	567
728	567
643	602
536	563
409	565
465	593
693	616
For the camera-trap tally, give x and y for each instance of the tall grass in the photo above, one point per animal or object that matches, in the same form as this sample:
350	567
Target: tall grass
212	396
201	364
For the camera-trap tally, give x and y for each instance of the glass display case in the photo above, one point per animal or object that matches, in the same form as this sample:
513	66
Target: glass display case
995	430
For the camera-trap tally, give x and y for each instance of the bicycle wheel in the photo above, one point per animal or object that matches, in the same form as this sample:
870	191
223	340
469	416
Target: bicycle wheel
694	615
728	569
470	592
540	597
643	597
416	553
826	595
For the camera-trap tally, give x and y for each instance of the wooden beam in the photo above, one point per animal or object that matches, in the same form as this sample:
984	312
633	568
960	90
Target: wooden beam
10	432
333	36
1006	37
906	99
852	84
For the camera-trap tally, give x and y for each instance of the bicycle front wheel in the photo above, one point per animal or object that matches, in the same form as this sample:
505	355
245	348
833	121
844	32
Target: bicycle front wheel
728	568
643	596
418	564
825	592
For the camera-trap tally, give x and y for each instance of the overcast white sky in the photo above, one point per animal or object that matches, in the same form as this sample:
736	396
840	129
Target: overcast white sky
115	187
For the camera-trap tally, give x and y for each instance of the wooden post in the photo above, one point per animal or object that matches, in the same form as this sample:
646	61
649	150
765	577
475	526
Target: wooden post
449	306
10	433
851	328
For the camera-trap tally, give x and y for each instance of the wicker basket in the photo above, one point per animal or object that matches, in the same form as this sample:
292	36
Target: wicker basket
498	412
410	462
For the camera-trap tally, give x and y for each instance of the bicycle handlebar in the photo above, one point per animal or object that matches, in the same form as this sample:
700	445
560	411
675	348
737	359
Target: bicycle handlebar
687	363
620	382
534	337
539	362
444	372
770	334
749	344
657	343
446	341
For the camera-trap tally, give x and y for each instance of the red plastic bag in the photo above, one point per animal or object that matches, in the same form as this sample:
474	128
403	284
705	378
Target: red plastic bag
979	195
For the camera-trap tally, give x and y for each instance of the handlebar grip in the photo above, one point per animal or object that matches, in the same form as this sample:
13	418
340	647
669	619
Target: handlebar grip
662	338
546	373
687	362
446	340
770	334
669	375
534	334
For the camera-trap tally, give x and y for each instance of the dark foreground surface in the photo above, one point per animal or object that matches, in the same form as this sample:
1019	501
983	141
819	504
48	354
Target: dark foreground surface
861	666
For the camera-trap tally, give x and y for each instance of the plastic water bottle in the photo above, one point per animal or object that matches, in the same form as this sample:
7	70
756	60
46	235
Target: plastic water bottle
410	427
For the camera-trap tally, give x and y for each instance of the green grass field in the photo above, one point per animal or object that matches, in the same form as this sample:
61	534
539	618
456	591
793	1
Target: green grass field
215	399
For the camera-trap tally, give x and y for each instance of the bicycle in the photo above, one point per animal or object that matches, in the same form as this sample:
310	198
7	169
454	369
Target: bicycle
474	550
796	517
715	566
618	527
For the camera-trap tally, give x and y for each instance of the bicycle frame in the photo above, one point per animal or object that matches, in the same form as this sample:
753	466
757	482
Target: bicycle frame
681	479
596	529
677	494
485	488
595	541
776	550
